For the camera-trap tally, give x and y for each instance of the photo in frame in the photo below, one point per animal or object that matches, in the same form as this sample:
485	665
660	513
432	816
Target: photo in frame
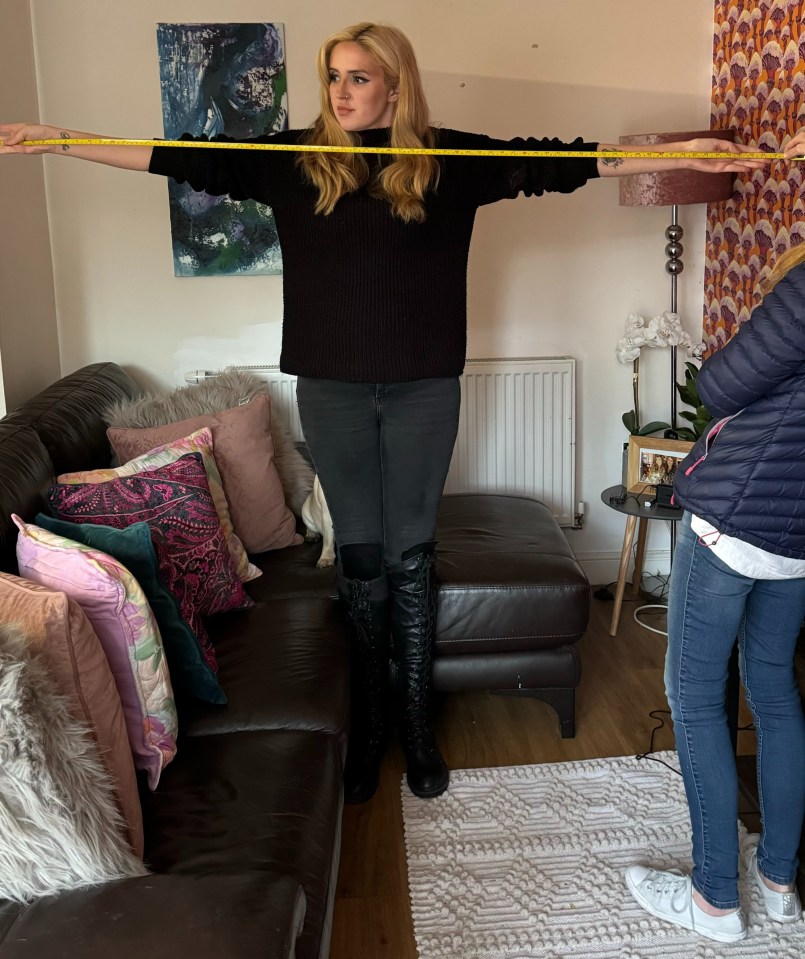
653	461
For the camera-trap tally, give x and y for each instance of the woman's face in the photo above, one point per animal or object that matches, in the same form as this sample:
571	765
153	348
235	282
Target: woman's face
360	97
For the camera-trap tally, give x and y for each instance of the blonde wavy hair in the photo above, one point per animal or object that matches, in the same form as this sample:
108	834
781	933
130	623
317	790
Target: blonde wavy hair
403	182
785	263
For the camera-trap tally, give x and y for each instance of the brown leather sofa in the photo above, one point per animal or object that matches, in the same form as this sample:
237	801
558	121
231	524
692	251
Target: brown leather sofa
242	835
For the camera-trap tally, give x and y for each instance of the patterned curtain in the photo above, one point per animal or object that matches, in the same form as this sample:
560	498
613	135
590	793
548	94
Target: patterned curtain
759	92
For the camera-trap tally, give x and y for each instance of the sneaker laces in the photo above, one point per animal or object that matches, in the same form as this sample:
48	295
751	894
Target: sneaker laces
670	885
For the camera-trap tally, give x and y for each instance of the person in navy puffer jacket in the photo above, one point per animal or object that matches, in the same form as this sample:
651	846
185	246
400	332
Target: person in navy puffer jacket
739	571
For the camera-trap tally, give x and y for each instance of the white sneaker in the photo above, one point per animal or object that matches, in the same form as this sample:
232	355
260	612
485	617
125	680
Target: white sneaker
780	906
669	896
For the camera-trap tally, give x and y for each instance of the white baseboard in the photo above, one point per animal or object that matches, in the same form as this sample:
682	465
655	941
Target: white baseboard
602	568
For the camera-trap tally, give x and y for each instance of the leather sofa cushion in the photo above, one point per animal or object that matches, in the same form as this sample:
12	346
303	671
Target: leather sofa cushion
267	801
68	415
292	573
161	917
25	475
282	665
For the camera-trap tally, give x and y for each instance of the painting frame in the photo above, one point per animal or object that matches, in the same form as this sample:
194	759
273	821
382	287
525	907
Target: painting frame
642	473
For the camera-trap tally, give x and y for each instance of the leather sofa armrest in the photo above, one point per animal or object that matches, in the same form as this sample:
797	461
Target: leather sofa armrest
224	916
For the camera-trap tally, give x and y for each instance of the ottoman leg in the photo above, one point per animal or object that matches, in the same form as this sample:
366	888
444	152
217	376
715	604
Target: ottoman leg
563	701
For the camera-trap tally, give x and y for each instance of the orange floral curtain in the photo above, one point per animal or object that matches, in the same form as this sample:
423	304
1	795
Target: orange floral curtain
759	92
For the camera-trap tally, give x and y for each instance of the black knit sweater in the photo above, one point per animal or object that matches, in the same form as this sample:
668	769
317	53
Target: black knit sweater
368	298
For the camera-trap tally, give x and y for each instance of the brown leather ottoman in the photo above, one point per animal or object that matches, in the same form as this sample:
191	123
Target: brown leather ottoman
513	601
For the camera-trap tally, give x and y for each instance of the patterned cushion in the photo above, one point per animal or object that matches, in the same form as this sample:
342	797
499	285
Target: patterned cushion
161	455
190	674
123	622
175	501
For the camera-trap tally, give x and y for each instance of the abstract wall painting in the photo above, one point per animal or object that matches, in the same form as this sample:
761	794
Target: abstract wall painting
222	78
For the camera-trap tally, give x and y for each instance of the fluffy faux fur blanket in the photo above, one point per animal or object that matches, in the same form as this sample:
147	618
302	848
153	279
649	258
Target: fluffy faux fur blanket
214	395
59	825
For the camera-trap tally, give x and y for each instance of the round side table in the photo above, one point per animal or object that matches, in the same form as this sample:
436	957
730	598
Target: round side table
634	511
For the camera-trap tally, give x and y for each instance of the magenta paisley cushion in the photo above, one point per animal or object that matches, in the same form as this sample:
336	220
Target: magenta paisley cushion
194	559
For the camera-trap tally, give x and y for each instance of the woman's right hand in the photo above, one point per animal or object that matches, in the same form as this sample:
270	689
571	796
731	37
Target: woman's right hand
15	135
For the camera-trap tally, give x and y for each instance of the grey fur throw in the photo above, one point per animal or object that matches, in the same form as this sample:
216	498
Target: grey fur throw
59	825
214	395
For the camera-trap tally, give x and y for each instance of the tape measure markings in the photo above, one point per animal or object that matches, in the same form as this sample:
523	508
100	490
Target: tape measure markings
406	151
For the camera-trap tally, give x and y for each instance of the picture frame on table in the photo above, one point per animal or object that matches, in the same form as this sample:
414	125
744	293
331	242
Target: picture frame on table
653	461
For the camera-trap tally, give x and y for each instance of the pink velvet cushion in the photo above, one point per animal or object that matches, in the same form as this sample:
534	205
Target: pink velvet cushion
190	544
244	452
124	623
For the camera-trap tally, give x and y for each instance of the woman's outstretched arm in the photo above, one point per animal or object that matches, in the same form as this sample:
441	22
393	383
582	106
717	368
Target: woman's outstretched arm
732	162
16	135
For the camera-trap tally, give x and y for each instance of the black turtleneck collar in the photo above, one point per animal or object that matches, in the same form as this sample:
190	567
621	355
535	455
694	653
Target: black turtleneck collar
378	136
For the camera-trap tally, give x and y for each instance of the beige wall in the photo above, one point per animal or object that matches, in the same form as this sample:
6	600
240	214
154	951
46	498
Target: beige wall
29	347
551	275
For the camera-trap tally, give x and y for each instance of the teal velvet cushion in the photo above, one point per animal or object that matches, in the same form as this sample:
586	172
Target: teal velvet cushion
132	546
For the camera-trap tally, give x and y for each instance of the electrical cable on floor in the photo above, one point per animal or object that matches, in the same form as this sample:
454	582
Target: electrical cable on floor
651	629
657	714
663	580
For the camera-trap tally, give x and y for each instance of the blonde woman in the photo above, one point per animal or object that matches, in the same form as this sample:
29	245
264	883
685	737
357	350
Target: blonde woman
375	255
739	571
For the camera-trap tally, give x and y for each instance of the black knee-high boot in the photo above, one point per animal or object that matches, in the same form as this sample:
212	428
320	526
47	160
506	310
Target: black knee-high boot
366	604
412	588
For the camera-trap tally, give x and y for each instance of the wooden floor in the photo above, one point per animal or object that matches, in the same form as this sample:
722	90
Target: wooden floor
621	684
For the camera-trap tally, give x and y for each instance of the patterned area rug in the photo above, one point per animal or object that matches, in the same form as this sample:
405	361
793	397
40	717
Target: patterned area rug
527	862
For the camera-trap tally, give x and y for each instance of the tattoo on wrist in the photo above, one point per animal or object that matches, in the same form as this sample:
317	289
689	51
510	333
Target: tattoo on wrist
612	161
65	136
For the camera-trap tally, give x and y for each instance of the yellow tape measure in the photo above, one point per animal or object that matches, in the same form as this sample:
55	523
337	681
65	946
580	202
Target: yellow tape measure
403	151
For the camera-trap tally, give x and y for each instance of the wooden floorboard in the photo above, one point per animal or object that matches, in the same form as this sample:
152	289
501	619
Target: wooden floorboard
622	682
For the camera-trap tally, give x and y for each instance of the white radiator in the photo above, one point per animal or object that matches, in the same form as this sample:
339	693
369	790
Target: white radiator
516	433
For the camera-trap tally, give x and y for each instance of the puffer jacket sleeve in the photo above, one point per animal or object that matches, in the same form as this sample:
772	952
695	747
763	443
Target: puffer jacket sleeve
767	350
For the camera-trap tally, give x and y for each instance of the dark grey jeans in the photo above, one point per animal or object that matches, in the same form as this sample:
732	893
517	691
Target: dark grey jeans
382	452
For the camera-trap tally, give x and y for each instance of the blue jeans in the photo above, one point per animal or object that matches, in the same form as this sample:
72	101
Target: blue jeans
709	606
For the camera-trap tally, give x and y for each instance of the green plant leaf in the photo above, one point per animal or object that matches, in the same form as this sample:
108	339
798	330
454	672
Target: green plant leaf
699	417
630	422
653	427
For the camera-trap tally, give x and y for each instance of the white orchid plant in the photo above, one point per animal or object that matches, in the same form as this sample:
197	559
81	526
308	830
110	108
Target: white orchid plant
663	330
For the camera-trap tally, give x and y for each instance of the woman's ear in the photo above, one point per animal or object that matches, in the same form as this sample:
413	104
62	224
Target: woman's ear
394	94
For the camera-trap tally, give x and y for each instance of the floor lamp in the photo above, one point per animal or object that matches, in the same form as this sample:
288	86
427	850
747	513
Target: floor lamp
674	188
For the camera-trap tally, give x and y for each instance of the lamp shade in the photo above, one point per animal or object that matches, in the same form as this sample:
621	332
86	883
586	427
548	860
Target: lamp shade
669	187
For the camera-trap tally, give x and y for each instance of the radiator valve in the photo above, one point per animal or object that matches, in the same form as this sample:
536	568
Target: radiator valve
578	519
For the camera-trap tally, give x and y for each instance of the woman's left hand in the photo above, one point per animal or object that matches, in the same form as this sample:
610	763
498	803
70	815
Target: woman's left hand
796	145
